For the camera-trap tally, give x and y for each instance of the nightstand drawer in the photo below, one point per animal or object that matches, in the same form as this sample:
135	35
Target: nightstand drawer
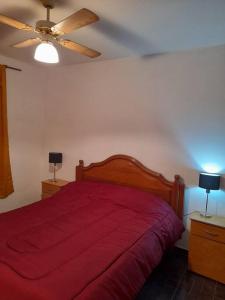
208	231
49	188
207	257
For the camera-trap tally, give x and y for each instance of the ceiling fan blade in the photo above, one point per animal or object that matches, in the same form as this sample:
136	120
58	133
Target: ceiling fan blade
79	19
14	23
79	48
27	43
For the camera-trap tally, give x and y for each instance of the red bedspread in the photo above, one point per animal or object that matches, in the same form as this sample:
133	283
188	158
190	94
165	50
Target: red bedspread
90	241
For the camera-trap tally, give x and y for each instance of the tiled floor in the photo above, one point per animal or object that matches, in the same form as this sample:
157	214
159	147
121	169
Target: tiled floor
172	281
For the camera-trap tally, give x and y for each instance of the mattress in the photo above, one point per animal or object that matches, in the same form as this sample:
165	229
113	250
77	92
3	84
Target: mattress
91	240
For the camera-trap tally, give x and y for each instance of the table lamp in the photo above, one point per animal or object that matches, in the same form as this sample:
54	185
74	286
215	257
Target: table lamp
209	182
55	158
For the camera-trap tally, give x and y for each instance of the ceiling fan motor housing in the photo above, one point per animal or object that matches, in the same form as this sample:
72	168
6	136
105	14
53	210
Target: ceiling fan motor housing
44	26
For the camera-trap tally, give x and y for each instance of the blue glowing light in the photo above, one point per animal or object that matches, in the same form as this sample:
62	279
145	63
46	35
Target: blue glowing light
211	168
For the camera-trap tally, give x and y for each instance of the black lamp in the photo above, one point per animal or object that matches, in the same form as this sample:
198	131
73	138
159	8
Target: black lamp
209	182
55	158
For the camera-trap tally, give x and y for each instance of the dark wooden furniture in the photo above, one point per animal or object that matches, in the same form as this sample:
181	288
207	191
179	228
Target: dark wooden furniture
207	247
49	187
126	170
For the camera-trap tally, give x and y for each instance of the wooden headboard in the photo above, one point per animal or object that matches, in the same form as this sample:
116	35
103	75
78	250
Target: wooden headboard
126	170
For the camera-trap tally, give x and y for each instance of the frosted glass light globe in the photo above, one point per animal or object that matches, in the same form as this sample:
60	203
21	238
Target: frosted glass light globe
47	53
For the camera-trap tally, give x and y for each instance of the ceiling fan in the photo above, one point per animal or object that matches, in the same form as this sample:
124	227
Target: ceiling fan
49	32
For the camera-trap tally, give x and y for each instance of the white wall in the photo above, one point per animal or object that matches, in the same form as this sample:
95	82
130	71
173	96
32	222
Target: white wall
26	92
165	110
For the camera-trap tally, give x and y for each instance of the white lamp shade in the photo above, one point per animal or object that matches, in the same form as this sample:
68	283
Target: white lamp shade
47	53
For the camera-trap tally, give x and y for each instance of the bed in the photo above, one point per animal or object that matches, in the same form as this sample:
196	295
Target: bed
97	238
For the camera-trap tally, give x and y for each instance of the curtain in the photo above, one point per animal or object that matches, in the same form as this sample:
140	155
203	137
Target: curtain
6	184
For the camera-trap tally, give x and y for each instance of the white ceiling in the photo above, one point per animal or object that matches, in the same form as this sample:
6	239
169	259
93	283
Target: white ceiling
126	27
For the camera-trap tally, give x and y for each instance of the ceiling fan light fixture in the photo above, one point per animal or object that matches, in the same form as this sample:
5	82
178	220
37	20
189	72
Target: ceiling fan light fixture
46	53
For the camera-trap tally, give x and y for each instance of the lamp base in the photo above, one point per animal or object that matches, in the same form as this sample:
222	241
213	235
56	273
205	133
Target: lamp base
205	215
53	180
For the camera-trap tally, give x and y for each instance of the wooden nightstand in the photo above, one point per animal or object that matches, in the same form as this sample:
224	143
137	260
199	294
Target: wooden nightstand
207	247
49	187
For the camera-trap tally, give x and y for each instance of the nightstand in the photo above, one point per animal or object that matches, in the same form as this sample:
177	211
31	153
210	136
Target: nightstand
49	187
207	247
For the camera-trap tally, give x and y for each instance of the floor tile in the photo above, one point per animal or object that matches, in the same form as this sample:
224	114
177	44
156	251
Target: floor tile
172	281
220	290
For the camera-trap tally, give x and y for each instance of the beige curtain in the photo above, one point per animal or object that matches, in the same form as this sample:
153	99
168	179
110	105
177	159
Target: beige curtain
6	184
